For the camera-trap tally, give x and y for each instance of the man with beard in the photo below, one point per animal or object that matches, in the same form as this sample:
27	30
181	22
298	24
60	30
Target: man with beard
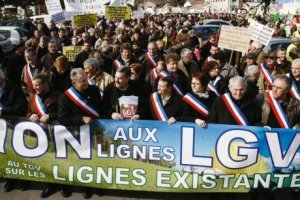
282	63
48	59
83	55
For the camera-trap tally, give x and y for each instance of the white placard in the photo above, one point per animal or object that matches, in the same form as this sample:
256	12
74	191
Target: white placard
85	6
53	7
234	38
138	14
261	33
58	17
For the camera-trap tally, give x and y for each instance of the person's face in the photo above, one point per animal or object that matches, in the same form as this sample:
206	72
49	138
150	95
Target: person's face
214	50
81	83
61	34
196	86
237	91
121	81
36	33
270	61
214	71
84	37
60	69
126	54
212	40
43	43
279	89
172	66
152	49
74	41
30	58
86	47
97	56
52	48
250	61
187	58
39	87
134	75
19	51
281	55
163	89
295	70
89	71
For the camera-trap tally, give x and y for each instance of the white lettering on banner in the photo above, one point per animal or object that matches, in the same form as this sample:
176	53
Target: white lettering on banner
247	155
85	6
242	181
121	134
62	135
86	174
18	140
281	178
279	158
261	33
187	151
3	133
210	180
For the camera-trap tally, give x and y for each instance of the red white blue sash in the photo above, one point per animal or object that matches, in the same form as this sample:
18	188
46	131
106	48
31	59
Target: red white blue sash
175	85
196	104
153	74
277	110
294	91
117	64
236	113
266	74
81	102
157	107
39	106
29	74
212	88
150	60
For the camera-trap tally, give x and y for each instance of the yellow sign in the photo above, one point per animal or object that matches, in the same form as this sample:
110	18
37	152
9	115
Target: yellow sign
117	12
84	20
71	52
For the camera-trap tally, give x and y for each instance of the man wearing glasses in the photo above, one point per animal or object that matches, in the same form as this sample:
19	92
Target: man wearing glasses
268	70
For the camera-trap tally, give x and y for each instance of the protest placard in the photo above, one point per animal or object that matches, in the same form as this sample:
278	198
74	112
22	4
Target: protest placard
84	20
112	12
85	6
261	33
53	7
71	52
234	38
58	17
138	14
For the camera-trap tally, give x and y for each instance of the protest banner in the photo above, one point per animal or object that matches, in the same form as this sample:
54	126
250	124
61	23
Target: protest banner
58	17
152	156
71	52
261	33
85	6
112	12
138	14
234	38
53	7
84	20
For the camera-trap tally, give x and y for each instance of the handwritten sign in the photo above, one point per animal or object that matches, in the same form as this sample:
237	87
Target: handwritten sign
71	52
261	33
84	20
234	38
117	12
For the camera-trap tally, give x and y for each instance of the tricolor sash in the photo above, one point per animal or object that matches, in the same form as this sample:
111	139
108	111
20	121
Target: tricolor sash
175	85
39	106
266	74
117	64
29	74
196	104
81	102
212	88
277	110
153	74
294	91
151	60
157	107
236	113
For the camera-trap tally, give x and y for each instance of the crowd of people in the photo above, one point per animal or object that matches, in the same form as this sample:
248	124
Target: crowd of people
161	60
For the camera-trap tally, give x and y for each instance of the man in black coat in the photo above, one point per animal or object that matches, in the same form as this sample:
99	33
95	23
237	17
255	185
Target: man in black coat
221	111
82	56
122	86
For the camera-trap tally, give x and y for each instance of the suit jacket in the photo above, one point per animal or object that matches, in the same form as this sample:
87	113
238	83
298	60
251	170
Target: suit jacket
50	101
112	94
69	114
13	100
219	113
173	108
